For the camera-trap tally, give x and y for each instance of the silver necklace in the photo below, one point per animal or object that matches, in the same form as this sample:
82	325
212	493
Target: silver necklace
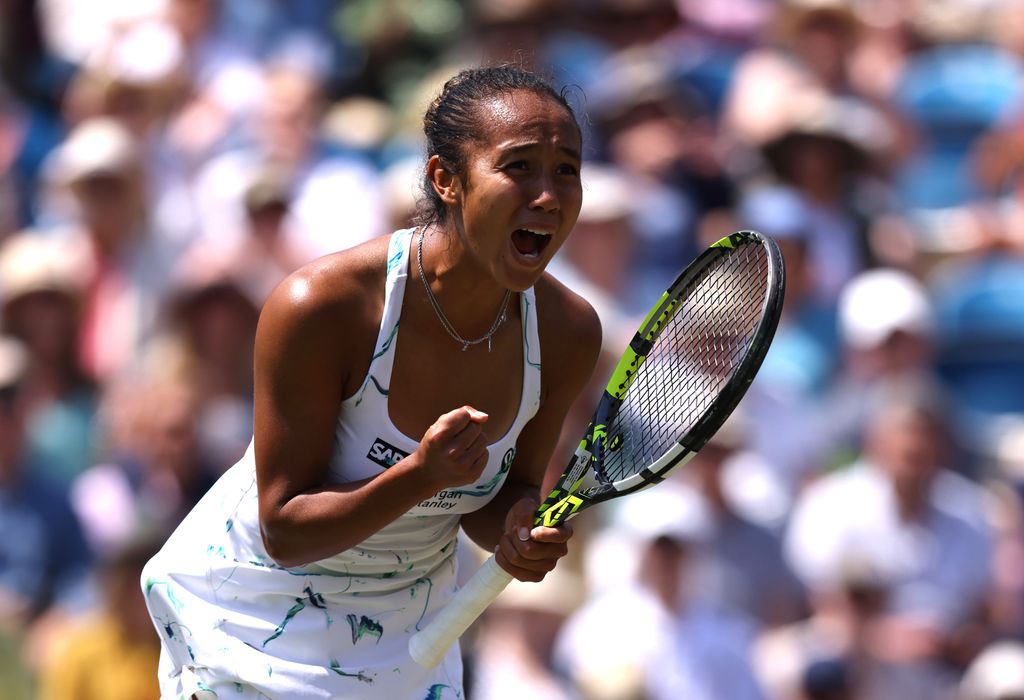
445	323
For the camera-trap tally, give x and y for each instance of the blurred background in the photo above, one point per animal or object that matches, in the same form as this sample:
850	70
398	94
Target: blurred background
855	531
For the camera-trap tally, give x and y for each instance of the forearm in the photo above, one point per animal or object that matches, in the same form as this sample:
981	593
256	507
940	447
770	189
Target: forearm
319	523
486	525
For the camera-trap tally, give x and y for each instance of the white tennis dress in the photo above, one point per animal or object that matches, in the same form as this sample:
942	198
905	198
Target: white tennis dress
234	624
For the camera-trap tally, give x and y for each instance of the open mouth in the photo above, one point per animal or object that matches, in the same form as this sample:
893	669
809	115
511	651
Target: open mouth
530	244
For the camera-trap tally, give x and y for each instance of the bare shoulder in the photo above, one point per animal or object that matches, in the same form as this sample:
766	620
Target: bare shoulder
569	328
328	307
342	281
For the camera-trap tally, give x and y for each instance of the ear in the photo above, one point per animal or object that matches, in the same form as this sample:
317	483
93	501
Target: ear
444	181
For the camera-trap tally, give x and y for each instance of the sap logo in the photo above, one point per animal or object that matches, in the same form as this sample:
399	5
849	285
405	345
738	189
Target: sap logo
385	454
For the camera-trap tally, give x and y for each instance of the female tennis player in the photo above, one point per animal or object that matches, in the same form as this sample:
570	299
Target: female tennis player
403	388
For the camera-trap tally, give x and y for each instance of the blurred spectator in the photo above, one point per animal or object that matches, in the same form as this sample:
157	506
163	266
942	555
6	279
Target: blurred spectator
829	655
825	152
41	286
363	125
648	634
886	324
627	23
33	80
101	167
656	129
266	254
952	94
820	36
902	514
979	338
395	45
808	335
335	195
11	135
599	262
110	652
739	565
209	334
1006	608
136	76
225	78
154	472
44	559
787	395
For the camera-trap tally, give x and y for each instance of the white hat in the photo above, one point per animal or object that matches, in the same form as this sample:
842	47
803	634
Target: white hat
96	146
148	52
607	194
879	302
32	262
996	673
675	512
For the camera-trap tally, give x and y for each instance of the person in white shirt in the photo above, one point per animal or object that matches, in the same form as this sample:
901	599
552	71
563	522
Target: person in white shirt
901	513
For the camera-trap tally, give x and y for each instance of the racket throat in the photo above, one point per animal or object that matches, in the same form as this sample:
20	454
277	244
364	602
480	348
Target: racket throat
567	500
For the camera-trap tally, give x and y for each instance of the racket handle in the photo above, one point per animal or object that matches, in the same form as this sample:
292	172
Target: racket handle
428	646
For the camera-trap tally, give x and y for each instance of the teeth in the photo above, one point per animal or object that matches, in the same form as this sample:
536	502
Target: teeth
537	233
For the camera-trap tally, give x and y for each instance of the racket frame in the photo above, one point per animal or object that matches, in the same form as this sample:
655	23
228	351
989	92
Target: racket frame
575	491
578	487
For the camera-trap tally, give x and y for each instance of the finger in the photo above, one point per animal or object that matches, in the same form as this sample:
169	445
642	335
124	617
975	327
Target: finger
479	464
467	432
477	440
526	553
562	533
468	444
532	570
475	415
522	513
454	422
475	459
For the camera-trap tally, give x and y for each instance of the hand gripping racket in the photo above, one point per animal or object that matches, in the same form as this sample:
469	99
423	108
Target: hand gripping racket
683	373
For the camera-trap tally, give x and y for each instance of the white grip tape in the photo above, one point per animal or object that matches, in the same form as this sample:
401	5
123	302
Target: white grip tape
428	646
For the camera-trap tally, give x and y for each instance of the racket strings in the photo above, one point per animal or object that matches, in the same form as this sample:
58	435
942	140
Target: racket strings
696	354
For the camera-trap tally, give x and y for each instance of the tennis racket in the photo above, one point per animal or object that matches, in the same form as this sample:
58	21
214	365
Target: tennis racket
685	370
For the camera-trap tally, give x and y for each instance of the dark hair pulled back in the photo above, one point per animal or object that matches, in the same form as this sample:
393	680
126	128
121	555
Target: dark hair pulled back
452	120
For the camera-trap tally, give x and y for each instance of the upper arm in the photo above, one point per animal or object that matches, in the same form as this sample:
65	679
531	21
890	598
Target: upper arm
302	362
570	339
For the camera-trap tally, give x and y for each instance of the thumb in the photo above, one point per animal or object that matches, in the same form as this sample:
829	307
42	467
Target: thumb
521	516
475	415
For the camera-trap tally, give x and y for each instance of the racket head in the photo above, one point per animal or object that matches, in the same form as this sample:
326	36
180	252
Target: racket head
686	369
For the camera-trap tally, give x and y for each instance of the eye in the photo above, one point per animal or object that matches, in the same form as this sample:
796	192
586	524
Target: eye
568	169
518	165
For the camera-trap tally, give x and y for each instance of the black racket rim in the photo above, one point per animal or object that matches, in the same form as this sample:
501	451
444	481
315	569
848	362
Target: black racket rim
732	392
572	494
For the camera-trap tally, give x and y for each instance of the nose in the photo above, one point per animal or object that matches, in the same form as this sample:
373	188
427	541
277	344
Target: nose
545	194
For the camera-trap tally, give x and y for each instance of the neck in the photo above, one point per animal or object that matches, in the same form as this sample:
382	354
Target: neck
468	313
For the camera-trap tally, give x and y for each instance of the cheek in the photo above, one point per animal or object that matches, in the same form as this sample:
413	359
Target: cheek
570	196
573	206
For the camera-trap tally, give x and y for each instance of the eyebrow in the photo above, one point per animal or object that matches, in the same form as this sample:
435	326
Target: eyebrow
571	152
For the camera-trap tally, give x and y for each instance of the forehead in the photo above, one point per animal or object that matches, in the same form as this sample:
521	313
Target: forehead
523	117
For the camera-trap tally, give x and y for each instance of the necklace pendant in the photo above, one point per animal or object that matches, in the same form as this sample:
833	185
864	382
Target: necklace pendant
465	347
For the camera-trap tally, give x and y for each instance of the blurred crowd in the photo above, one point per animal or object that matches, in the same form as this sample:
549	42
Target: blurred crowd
854	532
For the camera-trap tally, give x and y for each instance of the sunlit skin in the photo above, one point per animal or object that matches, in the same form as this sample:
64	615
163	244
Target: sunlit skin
524	174
318	329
